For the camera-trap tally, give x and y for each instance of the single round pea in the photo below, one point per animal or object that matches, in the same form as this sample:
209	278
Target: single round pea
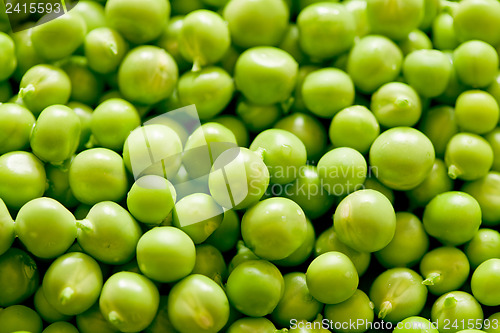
428	71
8	60
468	156
415	324
138	22
416	40
210	89
398	293
84	113
92	13
16	123
57	38
443	32
255	287
60	327
445	269
326	30
97	175
396	104
203	38
147	74
484	281
227	234
327	91
486	191
129	301
377	55
92	320
357	308
210	263
19	277
476	111
493	139
476	63
249	325
394	20
256	22
435	183
477	19
72	283
44	85
104	49
20	318
490	324
274	228
166	254
256	117
237	126
439	125
402	157
483	246
56	134
455	307
265	75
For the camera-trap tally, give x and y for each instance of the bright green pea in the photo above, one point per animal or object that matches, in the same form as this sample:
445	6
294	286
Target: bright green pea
109	233
477	19
476	63
60	327
493	139
86	86
409	244
455	307
486	191
445	269
358	11
129	301
402	157
7	233
72	283
44	85
210	89
416	40
227	234
237	126
398	293
8	60
357	308
282	152
290	44
491	325
327	91
415	324
377	55
304	251
210	263
92	321
476	111
428	71
396	104
138	22
256	22
251	325
55	39
365	220
274	228
84	112
439	125
435	183
484	281
104	49
265	75
256	117
17	318
255	287
16	123
326	30
108	132
147	74
46	311
203	38
92	13
468	156
19	277
50	238
443	32
97	175
56	134
483	246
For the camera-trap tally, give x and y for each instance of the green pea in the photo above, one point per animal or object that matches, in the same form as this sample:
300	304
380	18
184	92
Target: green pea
455	86
84	112
249	325
371	183
138	22
402	157
398	293
16	123
129	301
304	251
357	308
265	75
416	40
484	280
377	55
20	318
243	254
435	183
19	277
147	82
256	117
477	19
445	269
26	55
255	287
210	263
298	102
44	85
256	23
210	89
493	139
86	87
490	324
476	63
92	320
237	126
443	32
396	104
97	175
104	49
455	307
486	191
359	12
431	11
415	324
290	44
468	156
58	184
439	125
203	38
274	228
227	234
326	30
8	60
327	91
56	134
476	111
483	246
409	244
46	311
197	304
60	327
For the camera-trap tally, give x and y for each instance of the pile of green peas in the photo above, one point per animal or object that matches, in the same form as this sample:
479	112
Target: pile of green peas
340	172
